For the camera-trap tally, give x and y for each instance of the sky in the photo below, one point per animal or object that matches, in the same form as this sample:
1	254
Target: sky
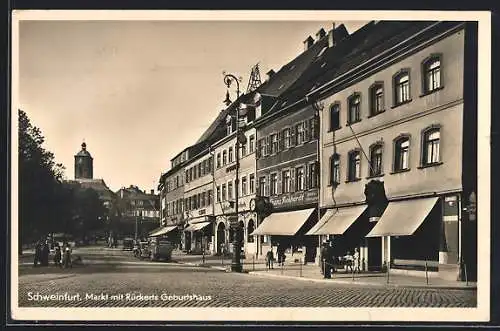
139	92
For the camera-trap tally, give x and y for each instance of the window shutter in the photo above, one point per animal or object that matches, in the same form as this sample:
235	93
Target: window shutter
293	135
292	180
316	127
257	152
279	190
280	138
306	176
266	186
307	128
268	145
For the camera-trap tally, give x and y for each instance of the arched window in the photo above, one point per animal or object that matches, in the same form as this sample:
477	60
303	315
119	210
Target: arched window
376	98
431	141
376	160
402	87
431	70
250	229
401	153
335	170
354	172
354	103
334	116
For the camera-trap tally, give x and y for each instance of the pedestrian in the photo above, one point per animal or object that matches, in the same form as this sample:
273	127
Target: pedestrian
323	254
57	257
45	254
67	258
328	263
38	253
356	264
269	259
348	262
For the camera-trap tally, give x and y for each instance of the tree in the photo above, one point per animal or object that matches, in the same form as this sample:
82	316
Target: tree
89	212
40	180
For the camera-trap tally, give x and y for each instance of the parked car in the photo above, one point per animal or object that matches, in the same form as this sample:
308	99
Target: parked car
128	244
160	249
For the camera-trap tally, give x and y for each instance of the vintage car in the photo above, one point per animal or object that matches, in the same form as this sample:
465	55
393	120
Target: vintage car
160	249
128	244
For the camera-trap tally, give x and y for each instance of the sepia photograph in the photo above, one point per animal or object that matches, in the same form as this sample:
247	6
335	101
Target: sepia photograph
250	166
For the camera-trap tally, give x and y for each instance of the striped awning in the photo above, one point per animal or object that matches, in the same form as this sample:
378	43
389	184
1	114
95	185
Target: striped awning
283	224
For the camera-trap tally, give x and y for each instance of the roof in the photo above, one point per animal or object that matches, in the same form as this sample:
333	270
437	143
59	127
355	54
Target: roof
97	185
84	151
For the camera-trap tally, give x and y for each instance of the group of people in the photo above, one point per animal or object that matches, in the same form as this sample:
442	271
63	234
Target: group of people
280	252
62	257
329	260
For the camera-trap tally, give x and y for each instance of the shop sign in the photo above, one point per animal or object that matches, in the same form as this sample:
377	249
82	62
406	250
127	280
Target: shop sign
202	212
231	168
294	199
228	206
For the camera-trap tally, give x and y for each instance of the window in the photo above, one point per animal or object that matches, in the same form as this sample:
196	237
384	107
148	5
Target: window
377	98
287	138
251	143
243	149
401	154
252	183
209	197
312	128
262	147
187	176
274	143
218	160
223	192
312	176
230	190
200	170
244	185
335	116
432	74
203	197
376	160
231	159
285	184
218	194
299	179
430	153
224	157
262	186
274	184
354	172
402	88
354	108
301	134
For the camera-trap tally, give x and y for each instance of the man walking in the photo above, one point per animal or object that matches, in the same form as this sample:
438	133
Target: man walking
269	259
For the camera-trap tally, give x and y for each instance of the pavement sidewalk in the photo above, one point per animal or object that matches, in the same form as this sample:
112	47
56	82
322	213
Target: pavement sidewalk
311	272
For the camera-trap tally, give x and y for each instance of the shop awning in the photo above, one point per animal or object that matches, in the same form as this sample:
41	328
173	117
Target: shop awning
283	224
197	226
163	231
340	220
321	222
402	218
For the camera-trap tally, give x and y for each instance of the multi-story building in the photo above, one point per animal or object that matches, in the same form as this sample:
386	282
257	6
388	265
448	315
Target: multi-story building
224	179
287	153
398	152
140	211
198	202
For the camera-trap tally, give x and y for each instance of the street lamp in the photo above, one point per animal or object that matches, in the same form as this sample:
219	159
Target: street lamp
235	224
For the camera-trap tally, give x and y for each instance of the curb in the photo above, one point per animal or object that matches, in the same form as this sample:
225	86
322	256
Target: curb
368	284
202	265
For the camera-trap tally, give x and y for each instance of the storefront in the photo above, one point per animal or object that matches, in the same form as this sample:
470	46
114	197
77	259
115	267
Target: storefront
199	235
421	234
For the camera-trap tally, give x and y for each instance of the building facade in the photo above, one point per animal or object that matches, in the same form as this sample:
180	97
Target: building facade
198	204
224	179
393	129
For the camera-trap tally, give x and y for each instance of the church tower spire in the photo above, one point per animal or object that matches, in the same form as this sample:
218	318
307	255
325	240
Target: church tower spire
83	164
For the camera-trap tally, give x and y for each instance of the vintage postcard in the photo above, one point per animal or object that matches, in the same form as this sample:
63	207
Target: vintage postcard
250	166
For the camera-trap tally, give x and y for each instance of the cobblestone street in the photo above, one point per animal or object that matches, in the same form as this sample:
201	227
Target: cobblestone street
209	288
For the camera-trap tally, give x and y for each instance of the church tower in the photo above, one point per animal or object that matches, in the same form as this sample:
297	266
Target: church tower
83	164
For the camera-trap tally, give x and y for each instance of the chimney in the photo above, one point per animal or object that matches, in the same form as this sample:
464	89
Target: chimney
270	74
308	43
152	192
331	36
320	34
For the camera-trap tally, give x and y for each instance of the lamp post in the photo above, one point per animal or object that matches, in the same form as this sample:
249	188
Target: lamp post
236	261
